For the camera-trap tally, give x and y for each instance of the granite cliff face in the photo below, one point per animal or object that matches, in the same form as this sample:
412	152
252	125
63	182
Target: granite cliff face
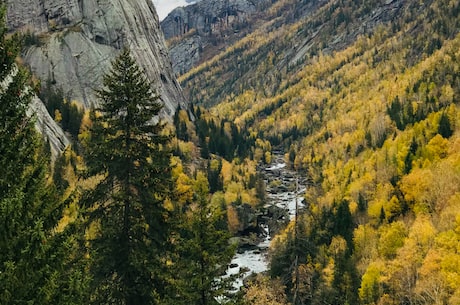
203	26
48	127
207	16
53	133
76	40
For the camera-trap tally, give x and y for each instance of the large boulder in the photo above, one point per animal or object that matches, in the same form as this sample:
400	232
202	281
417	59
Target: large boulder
247	217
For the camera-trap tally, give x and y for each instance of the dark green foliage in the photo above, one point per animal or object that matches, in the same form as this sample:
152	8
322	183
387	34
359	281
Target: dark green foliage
403	114
297	244
215	139
32	254
29	212
408	162
71	114
346	281
401	110
31	39
53	98
292	154
281	260
362	203
410	156
445	128
312	246
382	217
203	251
343	223
58	173
129	150
215	178
219	141
70	270
181	126
204	151
394	111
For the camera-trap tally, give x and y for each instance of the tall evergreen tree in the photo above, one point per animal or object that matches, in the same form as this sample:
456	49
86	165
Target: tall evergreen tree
203	251
33	255
128	149
445	128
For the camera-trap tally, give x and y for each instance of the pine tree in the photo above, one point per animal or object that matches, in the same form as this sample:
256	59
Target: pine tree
128	149
33	255
343	224
203	251
445	128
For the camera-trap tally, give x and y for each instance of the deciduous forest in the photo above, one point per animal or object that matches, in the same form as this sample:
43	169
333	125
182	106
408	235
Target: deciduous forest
144	211
370	115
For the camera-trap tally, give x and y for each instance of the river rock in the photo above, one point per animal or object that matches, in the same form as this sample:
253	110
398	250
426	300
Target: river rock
247	217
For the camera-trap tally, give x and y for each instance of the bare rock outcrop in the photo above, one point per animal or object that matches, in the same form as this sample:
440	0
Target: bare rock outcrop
76	40
186	53
207	16
52	132
48	127
194	29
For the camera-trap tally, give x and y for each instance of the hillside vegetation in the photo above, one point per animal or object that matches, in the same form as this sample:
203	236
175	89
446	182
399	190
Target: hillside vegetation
371	114
116	218
361	97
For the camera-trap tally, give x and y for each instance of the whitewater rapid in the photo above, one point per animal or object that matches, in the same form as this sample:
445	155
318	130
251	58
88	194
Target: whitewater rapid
255	260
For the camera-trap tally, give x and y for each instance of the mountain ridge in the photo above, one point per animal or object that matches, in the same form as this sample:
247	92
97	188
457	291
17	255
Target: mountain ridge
195	32
320	29
364	99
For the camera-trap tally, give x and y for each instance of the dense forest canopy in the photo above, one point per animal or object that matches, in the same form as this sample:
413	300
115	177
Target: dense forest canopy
105	222
371	116
361	98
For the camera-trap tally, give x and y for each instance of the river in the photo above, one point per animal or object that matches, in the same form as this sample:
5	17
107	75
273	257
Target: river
283	190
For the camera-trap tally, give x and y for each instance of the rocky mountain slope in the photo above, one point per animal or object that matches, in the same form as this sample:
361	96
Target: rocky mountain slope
43	121
72	43
54	134
287	36
196	32
364	98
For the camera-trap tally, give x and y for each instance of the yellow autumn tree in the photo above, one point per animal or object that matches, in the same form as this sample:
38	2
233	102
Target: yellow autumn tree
264	291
